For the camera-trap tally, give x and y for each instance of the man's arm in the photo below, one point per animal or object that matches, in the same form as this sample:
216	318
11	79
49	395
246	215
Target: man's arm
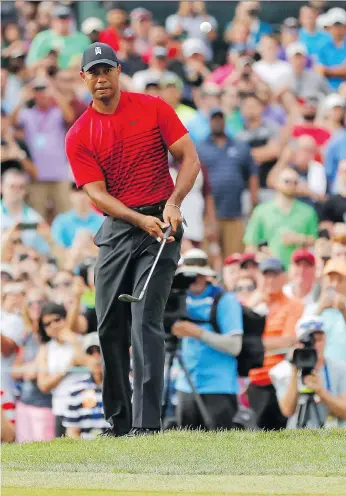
336	405
8	346
336	71
288	402
67	111
270	151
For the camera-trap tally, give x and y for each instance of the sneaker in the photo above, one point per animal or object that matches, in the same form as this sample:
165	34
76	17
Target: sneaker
141	431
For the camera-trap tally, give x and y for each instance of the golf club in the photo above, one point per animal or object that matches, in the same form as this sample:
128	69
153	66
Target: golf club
132	299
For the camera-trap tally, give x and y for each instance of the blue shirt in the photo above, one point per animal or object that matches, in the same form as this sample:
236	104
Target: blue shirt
331	55
334	153
313	41
335	329
212	371
199	127
229	169
66	225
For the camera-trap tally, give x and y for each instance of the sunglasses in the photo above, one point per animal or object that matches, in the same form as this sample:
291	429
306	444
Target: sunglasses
55	320
93	349
62	284
243	289
291	181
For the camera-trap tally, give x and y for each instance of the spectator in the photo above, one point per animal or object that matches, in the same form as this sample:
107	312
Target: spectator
282	314
131	62
285	223
270	69
262	137
335	151
141	22
64	84
327	381
204	349
62	283
158	36
35	420
17	75
273	112
172	92
304	82
249	265
12	336
44	127
14	152
334	107
309	35
331	308
231	271
92	27
302	274
82	216
117	20
248	14
334	209
230	104
157	69
331	56
84	416
244	289
188	20
230	168
61	37
289	36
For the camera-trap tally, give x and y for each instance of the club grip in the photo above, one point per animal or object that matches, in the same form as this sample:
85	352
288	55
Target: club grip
167	232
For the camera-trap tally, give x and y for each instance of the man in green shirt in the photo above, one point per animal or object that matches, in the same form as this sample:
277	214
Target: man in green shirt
60	38
285	223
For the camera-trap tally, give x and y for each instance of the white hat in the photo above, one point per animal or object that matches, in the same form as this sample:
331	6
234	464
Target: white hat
334	100
295	49
322	21
92	24
91	339
336	15
195	261
308	325
192	46
13	288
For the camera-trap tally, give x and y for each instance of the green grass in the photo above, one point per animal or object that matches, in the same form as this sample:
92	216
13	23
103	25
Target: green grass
196	463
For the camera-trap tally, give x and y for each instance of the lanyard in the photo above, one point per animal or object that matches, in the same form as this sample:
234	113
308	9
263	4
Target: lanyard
329	389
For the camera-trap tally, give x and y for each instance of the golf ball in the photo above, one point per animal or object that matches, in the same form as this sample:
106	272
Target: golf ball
205	27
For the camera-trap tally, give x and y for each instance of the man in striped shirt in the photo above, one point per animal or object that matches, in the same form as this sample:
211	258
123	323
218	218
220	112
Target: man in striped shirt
84	417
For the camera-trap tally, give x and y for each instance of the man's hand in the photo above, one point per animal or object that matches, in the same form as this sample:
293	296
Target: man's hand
313	381
153	226
172	216
78	287
184	328
292	238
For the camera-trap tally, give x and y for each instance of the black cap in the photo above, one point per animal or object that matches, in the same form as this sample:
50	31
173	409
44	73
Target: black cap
99	53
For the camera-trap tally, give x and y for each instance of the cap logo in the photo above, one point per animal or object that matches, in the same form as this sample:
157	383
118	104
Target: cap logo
97	50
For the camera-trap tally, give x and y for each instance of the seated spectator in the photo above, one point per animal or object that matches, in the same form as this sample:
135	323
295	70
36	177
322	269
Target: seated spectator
61	35
331	55
231	271
141	22
289	36
157	69
14	152
302	276
204	349
270	69
303	81
244	288
309	34
131	62
247	14
285	223
84	416
117	20
92	27
172	92
82	216
230	168
262	137
331	307
334	108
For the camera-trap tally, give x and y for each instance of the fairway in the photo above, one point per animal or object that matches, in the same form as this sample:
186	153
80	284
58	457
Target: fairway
186	463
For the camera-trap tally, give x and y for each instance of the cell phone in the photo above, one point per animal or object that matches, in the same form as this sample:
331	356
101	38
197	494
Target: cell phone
23	226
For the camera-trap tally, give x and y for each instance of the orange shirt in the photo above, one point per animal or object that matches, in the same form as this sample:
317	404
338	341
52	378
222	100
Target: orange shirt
283	316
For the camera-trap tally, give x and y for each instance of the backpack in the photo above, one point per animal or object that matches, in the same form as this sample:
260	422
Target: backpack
252	352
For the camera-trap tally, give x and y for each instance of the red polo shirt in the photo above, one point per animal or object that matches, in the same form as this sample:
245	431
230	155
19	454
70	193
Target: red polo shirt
127	149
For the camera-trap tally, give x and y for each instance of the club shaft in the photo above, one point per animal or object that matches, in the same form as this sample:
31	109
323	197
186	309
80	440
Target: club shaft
153	268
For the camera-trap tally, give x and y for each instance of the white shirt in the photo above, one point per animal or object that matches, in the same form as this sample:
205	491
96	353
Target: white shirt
308	300
276	74
317	180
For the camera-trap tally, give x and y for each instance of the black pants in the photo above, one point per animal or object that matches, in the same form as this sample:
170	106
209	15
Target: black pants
264	402
221	408
125	257
60	430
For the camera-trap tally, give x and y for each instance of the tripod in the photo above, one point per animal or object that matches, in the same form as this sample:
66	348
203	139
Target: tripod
172	346
305	401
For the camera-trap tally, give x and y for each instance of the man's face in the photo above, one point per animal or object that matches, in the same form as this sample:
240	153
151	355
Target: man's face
338	31
308	17
288	182
338	251
271	283
14	188
337	282
159	62
117	18
61	25
41	98
217	125
171	94
102	81
199	285
127	45
230	275
268	48
319	344
309	111
158	36
251	108
64	81
297	61
303	272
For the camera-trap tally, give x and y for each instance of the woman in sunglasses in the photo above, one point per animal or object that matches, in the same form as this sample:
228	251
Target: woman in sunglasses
244	289
60	351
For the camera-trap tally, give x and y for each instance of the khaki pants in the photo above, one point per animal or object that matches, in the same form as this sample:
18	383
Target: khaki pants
48	196
231	236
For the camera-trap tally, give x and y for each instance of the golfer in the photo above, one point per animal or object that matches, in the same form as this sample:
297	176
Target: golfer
118	151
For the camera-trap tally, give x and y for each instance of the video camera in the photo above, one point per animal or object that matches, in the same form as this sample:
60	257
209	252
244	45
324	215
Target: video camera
305	359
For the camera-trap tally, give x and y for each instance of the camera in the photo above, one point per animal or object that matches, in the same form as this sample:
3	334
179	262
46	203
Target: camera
305	359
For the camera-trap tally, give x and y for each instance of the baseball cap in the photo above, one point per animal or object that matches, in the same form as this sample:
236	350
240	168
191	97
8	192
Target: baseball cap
195	261
90	340
62	12
192	46
334	100
128	34
336	266
303	254
308	325
335	16
271	265
210	89
92	24
216	111
159	51
290	23
231	259
248	257
99	53
171	79
140	14
295	49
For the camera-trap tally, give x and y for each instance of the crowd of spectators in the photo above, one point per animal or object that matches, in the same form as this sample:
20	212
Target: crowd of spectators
268	207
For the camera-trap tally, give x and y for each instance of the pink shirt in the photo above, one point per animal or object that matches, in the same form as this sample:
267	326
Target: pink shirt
220	74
